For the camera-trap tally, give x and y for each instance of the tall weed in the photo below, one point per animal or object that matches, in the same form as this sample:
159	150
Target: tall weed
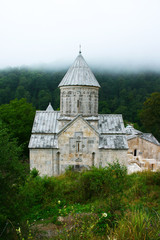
138	224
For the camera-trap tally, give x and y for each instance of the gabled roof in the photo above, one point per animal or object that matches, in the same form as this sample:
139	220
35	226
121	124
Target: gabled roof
149	137
71	122
146	136
46	122
111	124
134	133
79	74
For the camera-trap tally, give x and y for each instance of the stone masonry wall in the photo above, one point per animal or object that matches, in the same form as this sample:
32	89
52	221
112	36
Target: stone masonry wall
44	160
78	146
109	156
79	100
144	148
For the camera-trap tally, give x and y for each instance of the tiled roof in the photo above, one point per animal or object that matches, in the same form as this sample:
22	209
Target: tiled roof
113	142
43	141
45	122
79	74
111	124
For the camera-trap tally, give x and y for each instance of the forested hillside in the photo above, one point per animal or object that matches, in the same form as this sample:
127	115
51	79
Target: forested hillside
119	93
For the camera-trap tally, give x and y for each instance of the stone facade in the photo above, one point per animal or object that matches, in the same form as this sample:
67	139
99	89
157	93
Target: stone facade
79	145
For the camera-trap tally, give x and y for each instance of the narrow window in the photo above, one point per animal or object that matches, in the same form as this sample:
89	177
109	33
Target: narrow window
135	152
77	103
93	157
152	166
58	163
77	146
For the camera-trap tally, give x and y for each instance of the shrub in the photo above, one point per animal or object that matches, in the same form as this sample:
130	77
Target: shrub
103	182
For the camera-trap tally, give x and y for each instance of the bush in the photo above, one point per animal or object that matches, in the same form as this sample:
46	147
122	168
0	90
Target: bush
103	182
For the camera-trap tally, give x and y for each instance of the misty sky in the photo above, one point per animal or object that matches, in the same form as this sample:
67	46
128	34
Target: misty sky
117	34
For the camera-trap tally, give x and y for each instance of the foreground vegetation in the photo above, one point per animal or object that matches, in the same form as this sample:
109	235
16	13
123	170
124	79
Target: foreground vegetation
103	203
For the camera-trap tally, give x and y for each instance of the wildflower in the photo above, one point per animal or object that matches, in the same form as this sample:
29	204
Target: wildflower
59	201
104	214
19	230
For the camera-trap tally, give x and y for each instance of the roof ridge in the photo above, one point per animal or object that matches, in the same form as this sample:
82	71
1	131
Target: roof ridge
74	119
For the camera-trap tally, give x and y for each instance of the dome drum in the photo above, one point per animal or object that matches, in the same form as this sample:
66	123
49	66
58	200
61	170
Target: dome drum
79	100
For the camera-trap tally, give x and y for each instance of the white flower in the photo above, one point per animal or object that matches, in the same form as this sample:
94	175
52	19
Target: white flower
59	201
104	214
18	230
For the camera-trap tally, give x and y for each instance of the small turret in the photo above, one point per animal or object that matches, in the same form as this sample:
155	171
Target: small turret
49	108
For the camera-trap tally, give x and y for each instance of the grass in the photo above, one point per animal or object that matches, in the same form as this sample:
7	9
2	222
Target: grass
75	205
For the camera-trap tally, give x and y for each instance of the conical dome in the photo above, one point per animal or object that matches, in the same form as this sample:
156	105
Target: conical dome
79	74
49	108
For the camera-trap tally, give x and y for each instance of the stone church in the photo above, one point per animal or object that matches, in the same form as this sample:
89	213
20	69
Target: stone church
76	135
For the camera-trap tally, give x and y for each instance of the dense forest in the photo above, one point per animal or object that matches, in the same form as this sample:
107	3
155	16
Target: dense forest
119	93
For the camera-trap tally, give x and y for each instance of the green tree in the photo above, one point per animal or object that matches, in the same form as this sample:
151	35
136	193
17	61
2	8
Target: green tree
44	97
22	93
150	114
12	175
103	107
18	116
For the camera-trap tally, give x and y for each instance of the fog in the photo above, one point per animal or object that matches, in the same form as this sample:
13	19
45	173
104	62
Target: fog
114	34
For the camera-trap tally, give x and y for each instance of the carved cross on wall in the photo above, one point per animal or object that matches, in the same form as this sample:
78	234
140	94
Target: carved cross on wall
78	144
